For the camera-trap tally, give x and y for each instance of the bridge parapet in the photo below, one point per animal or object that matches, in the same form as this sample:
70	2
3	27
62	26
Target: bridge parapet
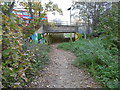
60	29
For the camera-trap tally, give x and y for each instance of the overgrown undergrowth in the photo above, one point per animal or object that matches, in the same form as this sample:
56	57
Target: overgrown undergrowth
38	58
99	57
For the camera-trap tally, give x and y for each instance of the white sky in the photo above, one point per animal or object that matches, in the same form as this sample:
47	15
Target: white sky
64	5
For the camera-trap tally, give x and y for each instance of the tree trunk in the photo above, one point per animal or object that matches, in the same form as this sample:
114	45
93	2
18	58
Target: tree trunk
30	10
39	13
9	11
96	16
88	27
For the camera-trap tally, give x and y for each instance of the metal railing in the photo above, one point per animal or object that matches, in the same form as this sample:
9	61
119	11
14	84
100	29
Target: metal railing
59	22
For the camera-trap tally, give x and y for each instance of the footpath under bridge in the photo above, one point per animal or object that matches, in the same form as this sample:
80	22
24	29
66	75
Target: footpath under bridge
48	29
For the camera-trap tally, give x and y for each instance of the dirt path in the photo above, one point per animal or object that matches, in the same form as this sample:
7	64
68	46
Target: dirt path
61	74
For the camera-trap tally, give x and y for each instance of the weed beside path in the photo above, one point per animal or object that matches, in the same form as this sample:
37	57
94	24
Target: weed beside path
99	57
60	72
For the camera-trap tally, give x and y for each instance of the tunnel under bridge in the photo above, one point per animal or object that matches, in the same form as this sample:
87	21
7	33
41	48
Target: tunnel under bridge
55	32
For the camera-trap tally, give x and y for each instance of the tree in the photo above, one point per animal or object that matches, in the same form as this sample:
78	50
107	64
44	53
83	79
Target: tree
35	8
108	24
8	7
90	12
51	7
30	9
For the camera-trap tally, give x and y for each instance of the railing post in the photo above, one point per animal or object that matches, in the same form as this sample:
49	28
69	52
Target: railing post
76	26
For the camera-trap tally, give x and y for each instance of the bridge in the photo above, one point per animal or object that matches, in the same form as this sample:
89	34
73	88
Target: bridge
58	29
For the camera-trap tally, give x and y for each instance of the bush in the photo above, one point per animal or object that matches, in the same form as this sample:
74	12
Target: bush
15	61
19	74
18	64
40	56
100	60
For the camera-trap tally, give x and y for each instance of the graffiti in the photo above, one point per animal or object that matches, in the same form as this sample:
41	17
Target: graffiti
78	36
23	14
44	38
40	38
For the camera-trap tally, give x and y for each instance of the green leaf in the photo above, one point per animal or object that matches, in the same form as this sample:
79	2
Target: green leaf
6	51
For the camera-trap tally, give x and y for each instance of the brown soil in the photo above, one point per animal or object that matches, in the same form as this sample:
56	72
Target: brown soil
60	73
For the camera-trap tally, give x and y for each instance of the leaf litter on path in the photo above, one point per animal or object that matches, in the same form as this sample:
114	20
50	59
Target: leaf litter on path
60	73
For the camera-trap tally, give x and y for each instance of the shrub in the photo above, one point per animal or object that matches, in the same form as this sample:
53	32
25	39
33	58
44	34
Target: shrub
40	56
18	64
100	60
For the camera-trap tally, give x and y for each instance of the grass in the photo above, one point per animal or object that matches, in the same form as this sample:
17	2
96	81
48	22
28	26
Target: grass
99	57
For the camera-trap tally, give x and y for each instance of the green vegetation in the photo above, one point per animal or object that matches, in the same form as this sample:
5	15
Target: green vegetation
101	62
17	63
100	54
21	59
18	73
20	64
39	55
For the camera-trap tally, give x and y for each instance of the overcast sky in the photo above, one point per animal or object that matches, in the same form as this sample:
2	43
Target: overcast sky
64	5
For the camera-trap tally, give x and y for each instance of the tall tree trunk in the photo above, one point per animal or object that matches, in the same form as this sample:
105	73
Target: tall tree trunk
94	17
10	9
30	9
39	13
88	27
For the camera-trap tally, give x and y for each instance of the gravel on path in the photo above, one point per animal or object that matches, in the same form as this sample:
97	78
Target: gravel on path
60	73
